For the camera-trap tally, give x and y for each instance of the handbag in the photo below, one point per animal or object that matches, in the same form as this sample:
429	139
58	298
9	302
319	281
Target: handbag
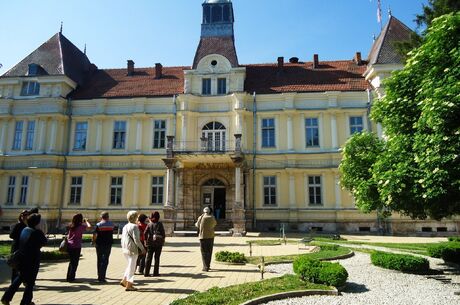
63	246
14	260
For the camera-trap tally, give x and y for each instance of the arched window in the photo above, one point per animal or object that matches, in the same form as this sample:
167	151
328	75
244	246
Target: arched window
213	137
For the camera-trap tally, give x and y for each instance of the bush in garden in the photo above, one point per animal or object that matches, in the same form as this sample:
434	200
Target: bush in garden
329	247
230	257
400	262
436	250
448	251
315	271
307	268
332	274
454	238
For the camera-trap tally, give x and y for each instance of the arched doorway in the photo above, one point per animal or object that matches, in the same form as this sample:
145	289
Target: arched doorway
214	194
213	136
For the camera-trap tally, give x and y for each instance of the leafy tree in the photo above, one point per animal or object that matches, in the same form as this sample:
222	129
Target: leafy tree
416	171
434	9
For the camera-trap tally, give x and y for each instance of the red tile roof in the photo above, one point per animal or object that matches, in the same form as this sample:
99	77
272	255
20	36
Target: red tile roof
261	78
224	46
115	83
342	75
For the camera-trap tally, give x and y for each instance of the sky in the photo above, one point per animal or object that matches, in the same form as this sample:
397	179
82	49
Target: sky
168	31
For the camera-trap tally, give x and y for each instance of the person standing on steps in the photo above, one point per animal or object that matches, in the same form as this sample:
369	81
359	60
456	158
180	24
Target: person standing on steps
206	224
131	246
103	240
154	239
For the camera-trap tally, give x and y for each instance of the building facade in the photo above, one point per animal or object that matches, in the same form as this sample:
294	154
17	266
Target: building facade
260	143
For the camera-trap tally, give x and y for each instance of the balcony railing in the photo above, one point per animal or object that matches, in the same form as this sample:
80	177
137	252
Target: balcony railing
204	146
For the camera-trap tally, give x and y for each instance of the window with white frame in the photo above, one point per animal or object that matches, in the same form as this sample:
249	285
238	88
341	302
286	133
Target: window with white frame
270	190
311	132
24	187
75	190
119	134
157	189
17	140
159	134
314	190
116	189
356	124
268	132
206	86
30	88
221	86
81	133
30	135
11	190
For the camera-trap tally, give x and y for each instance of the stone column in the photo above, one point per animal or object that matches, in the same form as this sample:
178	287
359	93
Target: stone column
289	133
46	200
139	136
334	131
238	213
238	186
95	192
169	210
338	199
184	132
135	191
42	139
292	203
98	135
170	187
52	144
3	136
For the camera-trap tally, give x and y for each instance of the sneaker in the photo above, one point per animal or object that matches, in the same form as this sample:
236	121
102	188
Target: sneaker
131	289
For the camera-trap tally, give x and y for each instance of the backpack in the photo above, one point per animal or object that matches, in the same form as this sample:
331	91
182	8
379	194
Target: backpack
155	237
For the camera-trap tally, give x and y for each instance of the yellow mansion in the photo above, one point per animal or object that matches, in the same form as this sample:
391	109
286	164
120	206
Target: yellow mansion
260	143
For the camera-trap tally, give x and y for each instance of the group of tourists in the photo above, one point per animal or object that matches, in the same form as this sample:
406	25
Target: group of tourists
142	241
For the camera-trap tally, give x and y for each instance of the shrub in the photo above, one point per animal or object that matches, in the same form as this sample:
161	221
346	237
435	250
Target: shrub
400	262
315	271
454	238
329	247
307	268
230	257
333	274
448	251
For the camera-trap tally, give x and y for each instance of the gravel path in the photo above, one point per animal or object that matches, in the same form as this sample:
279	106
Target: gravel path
370	285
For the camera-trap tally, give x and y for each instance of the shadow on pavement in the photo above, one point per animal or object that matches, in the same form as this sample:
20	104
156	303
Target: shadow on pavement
351	287
177	266
190	275
68	288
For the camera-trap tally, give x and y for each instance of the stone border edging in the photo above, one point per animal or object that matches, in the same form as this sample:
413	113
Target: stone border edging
290	294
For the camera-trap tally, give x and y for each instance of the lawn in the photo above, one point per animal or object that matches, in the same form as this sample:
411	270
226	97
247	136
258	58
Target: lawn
237	294
5	248
417	248
321	255
271	242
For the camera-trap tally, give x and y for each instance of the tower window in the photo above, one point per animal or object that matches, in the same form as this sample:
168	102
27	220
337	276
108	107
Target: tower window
206	86
217	13
226	12
30	88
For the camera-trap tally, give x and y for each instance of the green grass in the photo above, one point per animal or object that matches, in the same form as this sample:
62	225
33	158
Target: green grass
418	248
321	255
5	248
237	294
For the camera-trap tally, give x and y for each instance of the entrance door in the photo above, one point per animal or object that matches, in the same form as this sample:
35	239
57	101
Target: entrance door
214	195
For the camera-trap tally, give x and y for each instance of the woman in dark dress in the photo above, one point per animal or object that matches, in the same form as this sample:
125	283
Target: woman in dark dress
15	234
154	237
30	243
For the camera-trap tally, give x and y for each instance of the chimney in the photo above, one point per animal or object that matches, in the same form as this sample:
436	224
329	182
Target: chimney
358	59
130	67
158	70
280	63
315	61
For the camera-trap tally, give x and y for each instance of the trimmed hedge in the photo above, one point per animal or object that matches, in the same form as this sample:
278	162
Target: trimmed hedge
329	247
400	262
454	238
315	271
449	251
53	256
230	257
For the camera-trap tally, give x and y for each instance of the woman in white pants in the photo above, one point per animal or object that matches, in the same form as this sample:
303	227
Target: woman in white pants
130	244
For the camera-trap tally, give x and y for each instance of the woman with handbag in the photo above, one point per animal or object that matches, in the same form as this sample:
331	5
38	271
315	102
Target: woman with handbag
74	238
130	245
155	239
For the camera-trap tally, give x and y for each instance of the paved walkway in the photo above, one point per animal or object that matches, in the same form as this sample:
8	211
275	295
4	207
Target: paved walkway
180	274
